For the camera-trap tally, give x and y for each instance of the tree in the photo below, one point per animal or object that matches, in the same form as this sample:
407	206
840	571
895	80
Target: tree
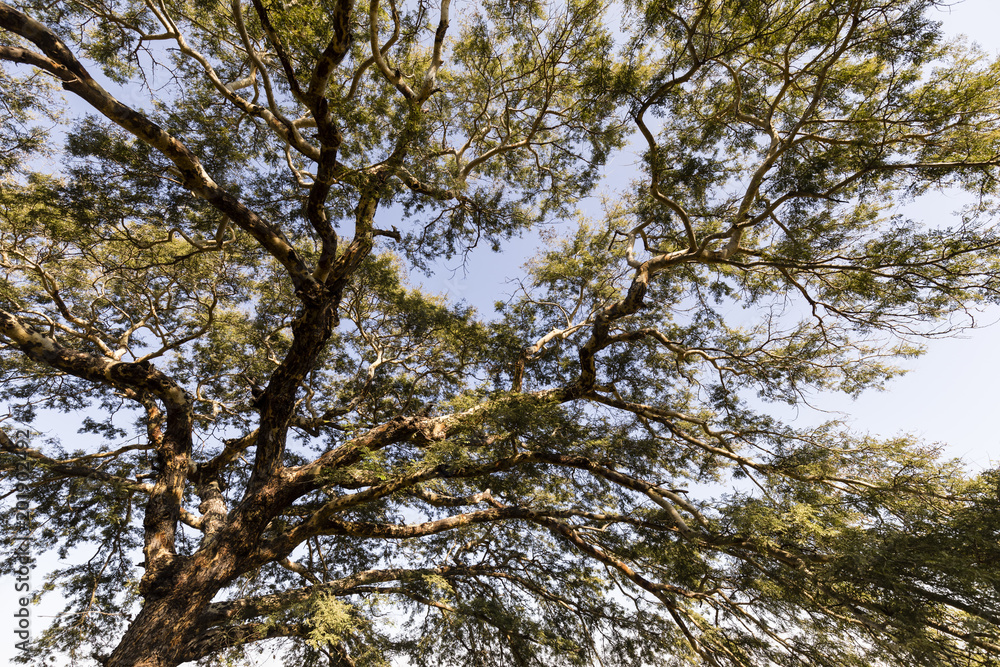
307	450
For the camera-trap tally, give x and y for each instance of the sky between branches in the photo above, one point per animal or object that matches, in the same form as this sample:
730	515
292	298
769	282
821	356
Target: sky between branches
949	396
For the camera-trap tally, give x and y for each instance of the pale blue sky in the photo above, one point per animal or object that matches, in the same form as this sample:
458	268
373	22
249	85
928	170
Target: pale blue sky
949	396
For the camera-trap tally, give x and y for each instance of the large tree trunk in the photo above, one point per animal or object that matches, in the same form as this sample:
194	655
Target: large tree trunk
169	621
159	634
170	628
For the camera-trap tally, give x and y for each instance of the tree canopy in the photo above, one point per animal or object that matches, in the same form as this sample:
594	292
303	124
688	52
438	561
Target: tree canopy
214	222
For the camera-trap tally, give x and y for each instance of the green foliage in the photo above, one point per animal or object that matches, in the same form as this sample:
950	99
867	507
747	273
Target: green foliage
285	444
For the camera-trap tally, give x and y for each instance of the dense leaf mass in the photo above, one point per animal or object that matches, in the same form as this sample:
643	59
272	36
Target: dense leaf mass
210	241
